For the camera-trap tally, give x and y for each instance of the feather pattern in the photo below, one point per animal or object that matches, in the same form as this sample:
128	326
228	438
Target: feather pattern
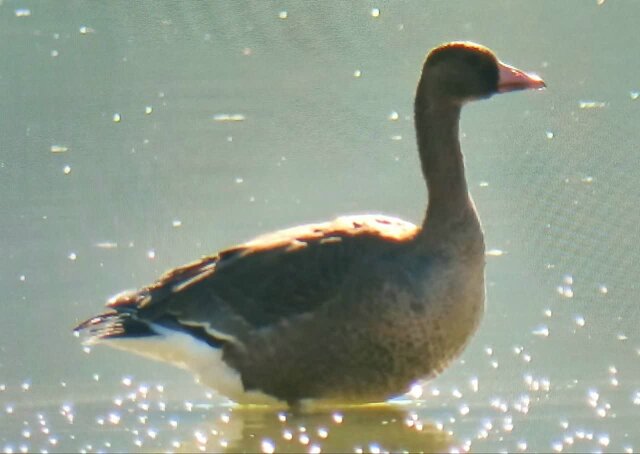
291	272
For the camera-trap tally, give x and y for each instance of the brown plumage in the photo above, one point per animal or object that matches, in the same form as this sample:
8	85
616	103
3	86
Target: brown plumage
355	309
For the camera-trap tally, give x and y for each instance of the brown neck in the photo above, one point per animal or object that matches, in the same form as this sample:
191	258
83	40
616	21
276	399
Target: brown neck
437	123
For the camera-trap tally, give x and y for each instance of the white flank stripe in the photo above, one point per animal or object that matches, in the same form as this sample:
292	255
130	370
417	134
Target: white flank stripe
187	352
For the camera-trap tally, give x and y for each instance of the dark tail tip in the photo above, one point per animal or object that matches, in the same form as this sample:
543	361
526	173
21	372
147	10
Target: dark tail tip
113	325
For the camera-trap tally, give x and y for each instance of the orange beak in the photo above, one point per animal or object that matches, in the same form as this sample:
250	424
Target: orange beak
512	79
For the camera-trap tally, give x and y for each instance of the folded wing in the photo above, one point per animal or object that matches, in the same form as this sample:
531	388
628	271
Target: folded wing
282	275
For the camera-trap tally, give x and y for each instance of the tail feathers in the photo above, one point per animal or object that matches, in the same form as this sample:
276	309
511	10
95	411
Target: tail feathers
113	325
119	321
127	317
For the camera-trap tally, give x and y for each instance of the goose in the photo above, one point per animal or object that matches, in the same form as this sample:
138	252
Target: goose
353	310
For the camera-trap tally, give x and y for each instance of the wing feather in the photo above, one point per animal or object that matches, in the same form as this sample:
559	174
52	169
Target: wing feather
258	284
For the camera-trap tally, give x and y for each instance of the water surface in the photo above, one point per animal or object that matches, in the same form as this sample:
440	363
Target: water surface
138	136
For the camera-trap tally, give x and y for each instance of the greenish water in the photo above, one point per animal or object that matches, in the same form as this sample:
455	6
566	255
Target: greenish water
137	136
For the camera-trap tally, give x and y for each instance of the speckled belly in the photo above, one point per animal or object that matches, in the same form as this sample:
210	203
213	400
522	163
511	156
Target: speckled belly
446	325
370	351
433	331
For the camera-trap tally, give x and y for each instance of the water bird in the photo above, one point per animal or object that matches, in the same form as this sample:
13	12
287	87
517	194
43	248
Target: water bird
354	310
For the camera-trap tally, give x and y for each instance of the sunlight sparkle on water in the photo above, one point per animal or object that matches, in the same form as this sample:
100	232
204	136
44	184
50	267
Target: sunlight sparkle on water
565	290
200	437
603	440
304	439
58	149
592	104
114	418
224	117
416	391
106	245
592	397
495	252
267	446
541	331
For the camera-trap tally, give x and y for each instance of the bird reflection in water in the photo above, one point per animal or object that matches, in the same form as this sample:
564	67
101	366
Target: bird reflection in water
358	428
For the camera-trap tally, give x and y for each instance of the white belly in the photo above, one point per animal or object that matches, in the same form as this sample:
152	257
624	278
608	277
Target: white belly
187	352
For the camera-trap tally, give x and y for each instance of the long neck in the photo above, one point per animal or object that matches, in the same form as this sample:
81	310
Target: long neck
437	124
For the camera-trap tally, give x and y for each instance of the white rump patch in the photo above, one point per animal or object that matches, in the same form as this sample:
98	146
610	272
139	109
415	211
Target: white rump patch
186	352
